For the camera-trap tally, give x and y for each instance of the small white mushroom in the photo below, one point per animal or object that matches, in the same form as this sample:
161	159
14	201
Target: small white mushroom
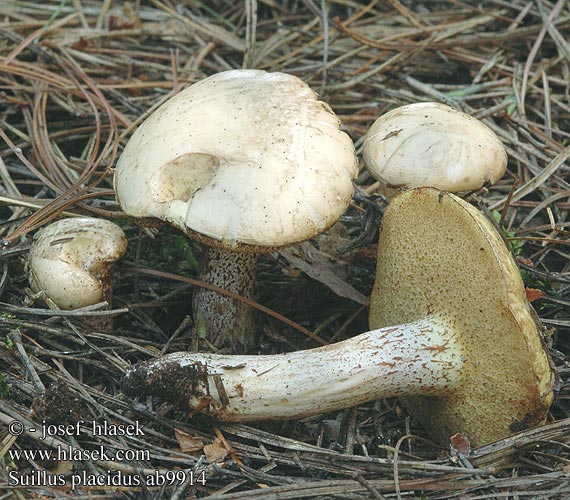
245	162
71	261
431	144
452	334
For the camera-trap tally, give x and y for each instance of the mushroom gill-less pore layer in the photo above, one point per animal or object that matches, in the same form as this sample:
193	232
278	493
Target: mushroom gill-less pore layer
244	157
467	274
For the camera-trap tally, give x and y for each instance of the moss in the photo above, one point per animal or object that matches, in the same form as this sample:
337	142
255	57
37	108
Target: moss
515	244
169	251
4	389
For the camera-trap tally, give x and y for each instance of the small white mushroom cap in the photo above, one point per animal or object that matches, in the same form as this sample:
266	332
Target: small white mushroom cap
431	144
71	260
243	158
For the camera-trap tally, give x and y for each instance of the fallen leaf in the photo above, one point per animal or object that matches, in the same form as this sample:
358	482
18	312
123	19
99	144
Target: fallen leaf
316	265
215	452
188	443
533	294
460	445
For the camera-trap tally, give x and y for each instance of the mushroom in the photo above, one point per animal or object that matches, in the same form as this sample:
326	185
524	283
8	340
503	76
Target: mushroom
431	144
71	261
245	162
452	334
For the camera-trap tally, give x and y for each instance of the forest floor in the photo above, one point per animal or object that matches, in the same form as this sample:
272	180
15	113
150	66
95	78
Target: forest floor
77	78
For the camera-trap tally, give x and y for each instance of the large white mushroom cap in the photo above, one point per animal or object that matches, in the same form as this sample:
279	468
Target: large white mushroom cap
242	158
431	144
71	260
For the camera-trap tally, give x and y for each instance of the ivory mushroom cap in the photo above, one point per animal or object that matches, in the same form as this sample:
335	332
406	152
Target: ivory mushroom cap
454	264
242	158
71	260
431	144
244	161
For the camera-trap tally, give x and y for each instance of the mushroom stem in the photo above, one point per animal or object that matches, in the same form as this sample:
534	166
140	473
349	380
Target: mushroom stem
223	321
422	357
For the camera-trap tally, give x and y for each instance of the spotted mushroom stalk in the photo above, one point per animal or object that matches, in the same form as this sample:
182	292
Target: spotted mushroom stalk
452	334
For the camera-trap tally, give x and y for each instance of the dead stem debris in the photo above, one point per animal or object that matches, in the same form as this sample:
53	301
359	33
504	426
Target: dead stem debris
75	80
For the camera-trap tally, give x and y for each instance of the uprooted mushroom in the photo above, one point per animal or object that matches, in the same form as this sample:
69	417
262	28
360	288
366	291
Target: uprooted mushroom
452	335
245	162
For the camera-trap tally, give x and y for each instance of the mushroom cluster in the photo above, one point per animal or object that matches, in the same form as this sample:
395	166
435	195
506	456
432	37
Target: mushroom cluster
245	162
452	334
